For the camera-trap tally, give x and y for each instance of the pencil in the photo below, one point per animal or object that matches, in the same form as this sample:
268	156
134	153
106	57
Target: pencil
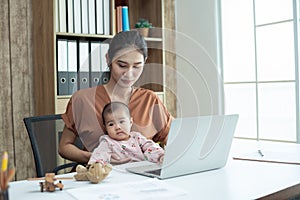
3	171
4	161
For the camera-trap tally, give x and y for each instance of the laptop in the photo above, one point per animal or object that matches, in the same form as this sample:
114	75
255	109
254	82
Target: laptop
195	144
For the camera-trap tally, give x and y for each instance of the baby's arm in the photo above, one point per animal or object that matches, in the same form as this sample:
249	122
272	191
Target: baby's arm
152	151
102	153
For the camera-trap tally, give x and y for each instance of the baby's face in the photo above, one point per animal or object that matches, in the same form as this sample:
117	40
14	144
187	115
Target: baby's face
118	125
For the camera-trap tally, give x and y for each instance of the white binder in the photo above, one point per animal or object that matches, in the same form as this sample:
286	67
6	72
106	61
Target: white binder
99	17
95	63
84	66
92	17
62	16
70	16
77	16
62	67
84	17
72	66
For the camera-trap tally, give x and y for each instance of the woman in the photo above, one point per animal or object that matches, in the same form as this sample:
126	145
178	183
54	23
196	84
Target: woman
126	57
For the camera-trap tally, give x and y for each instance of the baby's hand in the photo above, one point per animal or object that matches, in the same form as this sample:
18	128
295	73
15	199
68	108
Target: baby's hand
161	159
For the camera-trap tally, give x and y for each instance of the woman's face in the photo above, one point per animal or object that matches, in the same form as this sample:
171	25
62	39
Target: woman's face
127	67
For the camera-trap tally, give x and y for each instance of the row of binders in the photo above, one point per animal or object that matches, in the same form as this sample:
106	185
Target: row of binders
83	16
80	64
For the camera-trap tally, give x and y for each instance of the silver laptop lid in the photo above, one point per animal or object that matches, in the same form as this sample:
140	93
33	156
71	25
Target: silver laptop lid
198	144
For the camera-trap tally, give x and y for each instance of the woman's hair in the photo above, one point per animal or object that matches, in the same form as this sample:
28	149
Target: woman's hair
127	39
112	107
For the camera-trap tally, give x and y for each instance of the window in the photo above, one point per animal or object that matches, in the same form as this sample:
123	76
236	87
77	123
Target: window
261	67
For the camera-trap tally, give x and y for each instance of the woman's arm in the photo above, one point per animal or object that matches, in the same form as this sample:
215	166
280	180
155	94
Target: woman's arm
68	150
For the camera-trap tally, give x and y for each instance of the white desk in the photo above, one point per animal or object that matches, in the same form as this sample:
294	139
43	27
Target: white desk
237	180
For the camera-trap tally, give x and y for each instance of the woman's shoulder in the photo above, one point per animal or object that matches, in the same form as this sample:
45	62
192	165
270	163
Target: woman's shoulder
144	92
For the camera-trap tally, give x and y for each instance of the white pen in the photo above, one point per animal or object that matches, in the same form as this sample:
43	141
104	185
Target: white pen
260	153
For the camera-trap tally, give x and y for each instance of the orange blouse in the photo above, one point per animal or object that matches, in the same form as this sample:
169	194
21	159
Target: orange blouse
83	115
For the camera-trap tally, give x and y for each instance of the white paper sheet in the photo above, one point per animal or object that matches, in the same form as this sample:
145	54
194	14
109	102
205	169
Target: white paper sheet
146	189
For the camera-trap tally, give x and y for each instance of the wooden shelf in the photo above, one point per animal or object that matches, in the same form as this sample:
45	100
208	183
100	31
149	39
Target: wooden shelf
47	100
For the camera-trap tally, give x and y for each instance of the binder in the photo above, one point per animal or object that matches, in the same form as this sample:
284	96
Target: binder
77	16
106	16
92	17
70	16
104	49
99	17
125	18
72	66
113	21
56	16
62	16
84	67
62	67
104	77
84	17
95	63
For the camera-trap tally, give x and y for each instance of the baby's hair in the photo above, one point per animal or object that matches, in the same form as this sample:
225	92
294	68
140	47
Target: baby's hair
112	107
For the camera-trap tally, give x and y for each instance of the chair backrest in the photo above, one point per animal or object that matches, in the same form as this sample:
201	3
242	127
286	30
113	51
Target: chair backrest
44	134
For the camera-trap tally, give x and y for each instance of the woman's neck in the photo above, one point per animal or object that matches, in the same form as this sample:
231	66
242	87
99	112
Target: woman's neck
117	93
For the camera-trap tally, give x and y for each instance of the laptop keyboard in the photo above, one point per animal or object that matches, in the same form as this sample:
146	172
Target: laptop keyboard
152	168
155	172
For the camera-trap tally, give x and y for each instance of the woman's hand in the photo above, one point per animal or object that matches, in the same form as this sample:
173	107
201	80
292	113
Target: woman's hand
116	160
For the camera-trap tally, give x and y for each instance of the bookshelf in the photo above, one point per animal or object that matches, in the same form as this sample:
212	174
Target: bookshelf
159	12
150	79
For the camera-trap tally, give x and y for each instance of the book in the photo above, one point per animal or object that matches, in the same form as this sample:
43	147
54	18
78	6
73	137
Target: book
125	19
119	19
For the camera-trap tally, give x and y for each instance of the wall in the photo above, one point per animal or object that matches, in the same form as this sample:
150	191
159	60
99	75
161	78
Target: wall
26	69
16	74
199	81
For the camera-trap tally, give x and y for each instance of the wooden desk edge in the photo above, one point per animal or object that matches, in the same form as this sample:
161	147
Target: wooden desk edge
287	193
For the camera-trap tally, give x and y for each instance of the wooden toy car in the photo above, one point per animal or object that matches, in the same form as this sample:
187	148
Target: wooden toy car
49	183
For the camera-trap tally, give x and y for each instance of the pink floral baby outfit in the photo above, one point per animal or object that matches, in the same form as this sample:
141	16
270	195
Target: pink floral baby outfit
137	147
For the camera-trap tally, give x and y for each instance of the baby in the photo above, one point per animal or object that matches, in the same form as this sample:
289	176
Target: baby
121	141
